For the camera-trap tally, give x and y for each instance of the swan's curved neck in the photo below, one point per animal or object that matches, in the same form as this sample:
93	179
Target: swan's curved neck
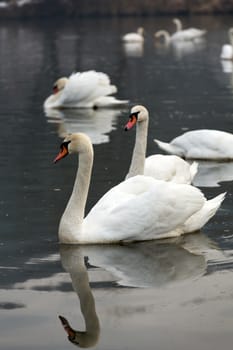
178	24
70	228
163	34
139	152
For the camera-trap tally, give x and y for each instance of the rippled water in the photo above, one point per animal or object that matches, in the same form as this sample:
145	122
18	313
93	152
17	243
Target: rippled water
174	294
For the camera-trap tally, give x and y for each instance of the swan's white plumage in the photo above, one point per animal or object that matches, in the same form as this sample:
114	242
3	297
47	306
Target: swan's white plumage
139	208
227	49
84	90
134	37
161	167
201	144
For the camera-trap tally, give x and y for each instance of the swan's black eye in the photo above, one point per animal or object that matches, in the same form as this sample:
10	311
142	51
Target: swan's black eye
65	145
134	115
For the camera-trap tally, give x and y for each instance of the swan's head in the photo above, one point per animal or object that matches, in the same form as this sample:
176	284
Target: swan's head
140	30
81	339
59	85
74	143
137	114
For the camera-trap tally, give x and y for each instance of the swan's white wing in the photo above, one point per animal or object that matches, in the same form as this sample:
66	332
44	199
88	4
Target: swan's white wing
82	89
205	144
142	208
168	168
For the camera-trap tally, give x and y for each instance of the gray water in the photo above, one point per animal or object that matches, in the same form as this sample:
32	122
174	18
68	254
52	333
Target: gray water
173	294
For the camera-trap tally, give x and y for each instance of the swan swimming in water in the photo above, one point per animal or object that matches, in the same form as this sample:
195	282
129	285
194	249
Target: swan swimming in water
88	89
201	144
227	49
161	167
134	37
139	208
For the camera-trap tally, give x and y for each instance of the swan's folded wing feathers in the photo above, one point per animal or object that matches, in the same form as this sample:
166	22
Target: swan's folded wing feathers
142	206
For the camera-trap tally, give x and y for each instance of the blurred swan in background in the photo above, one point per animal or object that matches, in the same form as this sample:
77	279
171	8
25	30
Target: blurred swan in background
135	36
180	34
201	144
96	123
161	167
133	49
227	49
88	89
73	263
139	208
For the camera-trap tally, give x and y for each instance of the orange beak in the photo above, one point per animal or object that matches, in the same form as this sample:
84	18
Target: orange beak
66	326
63	152
132	121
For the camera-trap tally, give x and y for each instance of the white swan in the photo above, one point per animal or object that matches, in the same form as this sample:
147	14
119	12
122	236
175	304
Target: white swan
227	49
180	34
161	167
139	208
201	144
88	89
189	33
134	37
74	264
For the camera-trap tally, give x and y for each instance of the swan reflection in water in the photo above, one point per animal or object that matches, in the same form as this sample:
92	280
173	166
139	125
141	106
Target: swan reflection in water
210	173
97	124
144	265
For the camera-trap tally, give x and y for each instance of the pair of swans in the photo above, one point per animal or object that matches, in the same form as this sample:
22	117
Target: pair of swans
180	34
227	49
139	208
88	89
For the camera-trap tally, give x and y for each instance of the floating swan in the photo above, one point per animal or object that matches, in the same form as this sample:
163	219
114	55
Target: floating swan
201	144
89	89
134	37
74	264
180	35
190	33
227	49
139	208
161	167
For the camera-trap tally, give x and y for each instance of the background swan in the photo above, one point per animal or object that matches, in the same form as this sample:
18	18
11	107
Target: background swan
161	167
189	33
134	37
201	144
227	49
89	89
139	208
73	263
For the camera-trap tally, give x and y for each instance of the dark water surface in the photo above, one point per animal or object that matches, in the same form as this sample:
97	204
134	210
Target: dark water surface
174	294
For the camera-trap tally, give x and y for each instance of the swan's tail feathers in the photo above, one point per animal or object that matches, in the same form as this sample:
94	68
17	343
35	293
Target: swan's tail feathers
193	169
200	218
167	147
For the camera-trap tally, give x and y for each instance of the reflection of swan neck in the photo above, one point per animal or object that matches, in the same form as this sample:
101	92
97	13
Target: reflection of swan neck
178	24
139	152
163	34
80	282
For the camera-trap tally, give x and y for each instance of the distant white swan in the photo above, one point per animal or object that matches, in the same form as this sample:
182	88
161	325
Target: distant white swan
180	34
74	265
201	144
139	208
161	167
134	37
227	49
88	89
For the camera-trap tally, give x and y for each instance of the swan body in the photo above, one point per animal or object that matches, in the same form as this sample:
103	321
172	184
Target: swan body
139	208
134	37
88	89
158	166
227	49
201	144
